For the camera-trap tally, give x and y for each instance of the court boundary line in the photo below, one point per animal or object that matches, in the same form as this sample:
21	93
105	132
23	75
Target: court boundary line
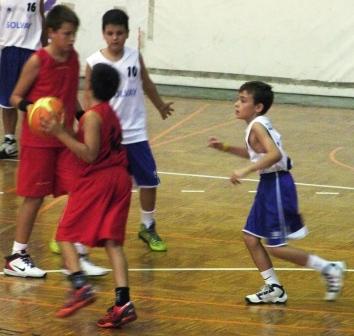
210	269
253	180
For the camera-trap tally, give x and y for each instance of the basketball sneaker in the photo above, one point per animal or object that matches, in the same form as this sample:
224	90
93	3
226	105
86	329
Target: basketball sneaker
151	238
333	274
118	316
89	268
8	149
22	265
78	298
268	294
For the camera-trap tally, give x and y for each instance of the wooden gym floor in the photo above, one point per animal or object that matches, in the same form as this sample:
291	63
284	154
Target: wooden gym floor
198	286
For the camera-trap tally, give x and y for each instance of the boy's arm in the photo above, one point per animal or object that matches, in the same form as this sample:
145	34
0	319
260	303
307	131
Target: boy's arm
87	151
272	153
28	75
149	87
221	146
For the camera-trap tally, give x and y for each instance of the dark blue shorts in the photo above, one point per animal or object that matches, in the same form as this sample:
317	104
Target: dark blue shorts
142	165
11	62
274	215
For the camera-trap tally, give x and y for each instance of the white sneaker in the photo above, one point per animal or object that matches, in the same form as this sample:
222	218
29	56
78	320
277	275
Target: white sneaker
21	265
8	149
89	268
333	275
268	294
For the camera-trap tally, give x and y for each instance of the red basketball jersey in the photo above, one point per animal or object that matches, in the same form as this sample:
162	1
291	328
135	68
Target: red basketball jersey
58	79
111	153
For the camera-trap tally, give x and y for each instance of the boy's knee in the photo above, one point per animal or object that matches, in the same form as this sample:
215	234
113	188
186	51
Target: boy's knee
275	251
250	241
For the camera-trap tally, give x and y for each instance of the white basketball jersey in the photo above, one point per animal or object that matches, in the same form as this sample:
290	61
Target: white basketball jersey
128	103
282	164
20	24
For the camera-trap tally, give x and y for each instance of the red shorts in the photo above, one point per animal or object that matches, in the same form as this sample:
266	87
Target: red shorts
44	171
97	208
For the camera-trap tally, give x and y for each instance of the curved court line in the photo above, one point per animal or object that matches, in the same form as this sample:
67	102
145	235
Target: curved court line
254	180
51	204
332	157
192	134
190	116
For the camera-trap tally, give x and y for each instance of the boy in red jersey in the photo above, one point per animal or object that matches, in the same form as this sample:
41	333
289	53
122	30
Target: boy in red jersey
98	205
43	167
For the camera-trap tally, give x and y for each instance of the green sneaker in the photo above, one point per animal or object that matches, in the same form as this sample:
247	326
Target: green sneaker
151	238
54	246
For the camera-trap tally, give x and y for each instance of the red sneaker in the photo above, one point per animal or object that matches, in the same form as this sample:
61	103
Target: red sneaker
118	316
78	298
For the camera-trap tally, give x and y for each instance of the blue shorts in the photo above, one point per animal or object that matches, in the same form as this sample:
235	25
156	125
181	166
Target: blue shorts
142	165
274	215
11	63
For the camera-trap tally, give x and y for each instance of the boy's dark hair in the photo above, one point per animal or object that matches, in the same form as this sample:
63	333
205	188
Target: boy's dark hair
115	17
104	81
261	92
61	14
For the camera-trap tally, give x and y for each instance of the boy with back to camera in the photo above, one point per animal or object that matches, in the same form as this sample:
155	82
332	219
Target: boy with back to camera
21	33
98	205
274	215
128	104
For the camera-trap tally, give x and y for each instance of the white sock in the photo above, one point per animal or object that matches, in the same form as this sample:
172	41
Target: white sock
10	136
270	277
316	263
81	249
147	217
18	247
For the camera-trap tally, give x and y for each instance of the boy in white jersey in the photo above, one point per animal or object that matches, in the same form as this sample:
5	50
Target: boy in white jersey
274	215
21	33
128	104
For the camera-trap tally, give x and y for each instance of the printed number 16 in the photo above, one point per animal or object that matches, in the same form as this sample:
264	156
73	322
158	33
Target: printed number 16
31	7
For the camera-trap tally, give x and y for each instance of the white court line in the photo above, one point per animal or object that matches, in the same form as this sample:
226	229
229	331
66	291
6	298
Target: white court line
254	180
234	269
192	191
252	191
326	193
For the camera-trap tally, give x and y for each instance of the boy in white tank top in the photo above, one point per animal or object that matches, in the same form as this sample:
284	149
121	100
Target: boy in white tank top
128	104
20	34
274	215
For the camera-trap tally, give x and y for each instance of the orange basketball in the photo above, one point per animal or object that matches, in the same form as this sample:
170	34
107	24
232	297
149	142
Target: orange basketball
46	108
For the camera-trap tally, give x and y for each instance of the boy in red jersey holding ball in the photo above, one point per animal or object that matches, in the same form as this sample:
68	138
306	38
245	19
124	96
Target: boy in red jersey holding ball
44	167
98	205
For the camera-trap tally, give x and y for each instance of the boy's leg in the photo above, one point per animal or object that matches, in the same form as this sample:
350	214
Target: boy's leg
332	271
123	311
19	263
273	291
148	231
143	168
82	293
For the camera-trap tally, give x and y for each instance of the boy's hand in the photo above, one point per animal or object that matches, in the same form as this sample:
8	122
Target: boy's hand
51	126
214	142
166	110
237	175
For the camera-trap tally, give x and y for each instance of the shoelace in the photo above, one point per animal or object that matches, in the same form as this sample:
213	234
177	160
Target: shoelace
27	260
332	283
154	236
